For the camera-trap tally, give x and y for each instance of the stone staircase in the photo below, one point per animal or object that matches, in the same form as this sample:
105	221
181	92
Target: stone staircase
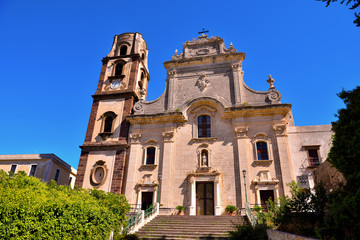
189	227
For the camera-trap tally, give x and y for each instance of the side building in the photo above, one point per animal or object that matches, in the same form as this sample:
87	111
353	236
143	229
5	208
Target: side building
207	142
44	166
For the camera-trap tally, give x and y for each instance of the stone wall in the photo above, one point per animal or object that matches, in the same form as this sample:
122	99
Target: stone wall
329	175
278	235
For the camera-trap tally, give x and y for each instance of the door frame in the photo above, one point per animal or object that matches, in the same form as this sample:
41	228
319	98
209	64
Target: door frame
214	177
213	196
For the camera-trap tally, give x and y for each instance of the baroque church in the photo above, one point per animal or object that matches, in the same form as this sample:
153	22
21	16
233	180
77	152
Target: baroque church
207	142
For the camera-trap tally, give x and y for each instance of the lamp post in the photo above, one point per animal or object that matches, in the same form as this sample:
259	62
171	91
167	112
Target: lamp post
244	174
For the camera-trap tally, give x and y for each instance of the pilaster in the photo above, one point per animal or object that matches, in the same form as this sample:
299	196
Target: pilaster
236	71
134	155
243	140
171	89
284	156
167	171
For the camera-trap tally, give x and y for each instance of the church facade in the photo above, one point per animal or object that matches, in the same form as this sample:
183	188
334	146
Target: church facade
207	142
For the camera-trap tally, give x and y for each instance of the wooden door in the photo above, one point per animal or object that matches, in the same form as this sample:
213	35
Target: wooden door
264	196
146	200
204	198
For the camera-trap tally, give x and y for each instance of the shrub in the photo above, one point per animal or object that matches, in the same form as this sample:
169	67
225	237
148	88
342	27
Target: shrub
248	232
31	209
230	209
180	208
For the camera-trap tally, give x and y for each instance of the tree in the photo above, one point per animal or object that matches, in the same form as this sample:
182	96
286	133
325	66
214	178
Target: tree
344	154
353	4
343	219
31	209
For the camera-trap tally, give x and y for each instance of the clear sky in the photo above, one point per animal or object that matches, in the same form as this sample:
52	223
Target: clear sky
51	51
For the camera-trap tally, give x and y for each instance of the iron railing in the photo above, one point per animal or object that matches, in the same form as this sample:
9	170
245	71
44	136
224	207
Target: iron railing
133	221
150	211
250	215
138	220
314	161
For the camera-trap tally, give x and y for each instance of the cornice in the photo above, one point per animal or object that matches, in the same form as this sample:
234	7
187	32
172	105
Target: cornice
175	117
115	95
253	111
205	59
92	146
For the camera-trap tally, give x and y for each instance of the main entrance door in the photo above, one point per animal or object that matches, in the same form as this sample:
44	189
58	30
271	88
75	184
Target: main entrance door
146	200
264	196
204	198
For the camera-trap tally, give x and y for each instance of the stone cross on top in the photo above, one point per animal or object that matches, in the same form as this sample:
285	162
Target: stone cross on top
203	31
270	81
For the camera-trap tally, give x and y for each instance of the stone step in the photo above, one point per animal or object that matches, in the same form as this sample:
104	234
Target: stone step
181	235
189	227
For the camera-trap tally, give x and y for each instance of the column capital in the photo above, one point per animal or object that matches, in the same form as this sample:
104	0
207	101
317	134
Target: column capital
241	132
135	138
280	130
168	136
172	73
236	66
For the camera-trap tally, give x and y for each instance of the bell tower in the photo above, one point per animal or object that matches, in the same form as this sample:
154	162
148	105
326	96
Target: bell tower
123	81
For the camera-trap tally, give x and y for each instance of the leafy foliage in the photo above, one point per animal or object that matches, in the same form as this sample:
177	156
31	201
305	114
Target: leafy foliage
248	232
343	214
31	209
298	214
344	155
231	208
353	4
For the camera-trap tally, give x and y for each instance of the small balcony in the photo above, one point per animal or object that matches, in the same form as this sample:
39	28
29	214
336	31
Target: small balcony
313	162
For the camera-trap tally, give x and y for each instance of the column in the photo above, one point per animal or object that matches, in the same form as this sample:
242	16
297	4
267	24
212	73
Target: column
218	208
166	182
284	156
242	143
192	196
155	195
236	79
134	151
171	87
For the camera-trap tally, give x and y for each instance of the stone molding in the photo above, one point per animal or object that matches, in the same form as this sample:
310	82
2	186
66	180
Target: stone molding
241	132
135	138
280	130
202	82
168	136
264	163
204	140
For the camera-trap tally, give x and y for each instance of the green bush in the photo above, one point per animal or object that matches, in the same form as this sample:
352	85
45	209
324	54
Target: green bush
231	209
180	208
248	232
31	209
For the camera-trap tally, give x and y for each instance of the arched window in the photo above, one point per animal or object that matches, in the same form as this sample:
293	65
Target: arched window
150	155
123	50
108	124
143	56
262	151
204	130
204	158
119	69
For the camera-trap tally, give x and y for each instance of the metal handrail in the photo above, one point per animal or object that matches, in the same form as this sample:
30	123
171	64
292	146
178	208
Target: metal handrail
150	211
135	207
252	218
137	221
131	222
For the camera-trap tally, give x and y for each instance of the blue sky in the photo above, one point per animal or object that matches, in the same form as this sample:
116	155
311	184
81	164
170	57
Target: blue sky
51	51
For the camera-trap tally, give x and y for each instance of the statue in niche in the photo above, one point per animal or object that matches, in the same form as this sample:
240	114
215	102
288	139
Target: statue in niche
204	158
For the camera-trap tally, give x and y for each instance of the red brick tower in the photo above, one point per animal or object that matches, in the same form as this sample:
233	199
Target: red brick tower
123	81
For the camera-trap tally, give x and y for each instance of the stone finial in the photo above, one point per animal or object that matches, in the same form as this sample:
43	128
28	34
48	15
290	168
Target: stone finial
176	52
270	81
231	45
